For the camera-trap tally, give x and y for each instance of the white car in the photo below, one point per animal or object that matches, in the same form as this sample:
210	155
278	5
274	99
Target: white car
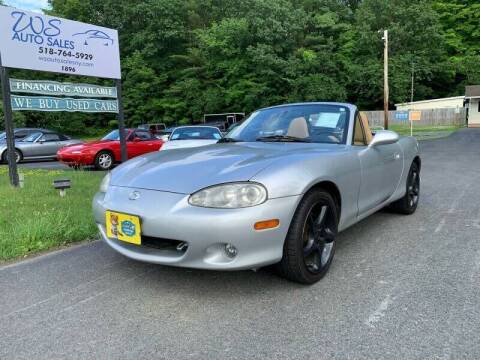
192	136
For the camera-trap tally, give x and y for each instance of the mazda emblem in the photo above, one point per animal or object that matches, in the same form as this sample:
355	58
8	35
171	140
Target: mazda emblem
134	195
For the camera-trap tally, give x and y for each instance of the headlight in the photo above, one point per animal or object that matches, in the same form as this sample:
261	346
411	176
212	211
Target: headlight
230	196
105	183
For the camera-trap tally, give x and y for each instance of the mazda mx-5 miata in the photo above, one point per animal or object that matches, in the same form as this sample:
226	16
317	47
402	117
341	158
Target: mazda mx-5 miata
104	153
276	190
40	144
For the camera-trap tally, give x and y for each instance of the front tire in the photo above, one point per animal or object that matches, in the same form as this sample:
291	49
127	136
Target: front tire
104	160
310	244
18	156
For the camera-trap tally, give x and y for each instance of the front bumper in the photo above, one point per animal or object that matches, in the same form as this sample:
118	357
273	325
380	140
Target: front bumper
76	159
167	215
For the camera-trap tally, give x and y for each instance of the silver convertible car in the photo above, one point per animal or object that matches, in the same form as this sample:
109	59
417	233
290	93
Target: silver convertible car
276	190
38	145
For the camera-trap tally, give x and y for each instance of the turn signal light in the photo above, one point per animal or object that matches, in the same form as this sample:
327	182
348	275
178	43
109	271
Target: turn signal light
267	224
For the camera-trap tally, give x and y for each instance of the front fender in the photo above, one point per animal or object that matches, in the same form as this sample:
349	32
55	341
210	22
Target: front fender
302	173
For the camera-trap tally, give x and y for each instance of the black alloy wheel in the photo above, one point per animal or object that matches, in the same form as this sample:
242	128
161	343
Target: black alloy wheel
318	238
310	244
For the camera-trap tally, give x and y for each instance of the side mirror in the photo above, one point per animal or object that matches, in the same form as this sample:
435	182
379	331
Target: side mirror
136	139
384	137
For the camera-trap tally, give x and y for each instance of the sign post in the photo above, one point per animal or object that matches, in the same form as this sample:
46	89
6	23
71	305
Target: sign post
385	79
121	121
7	109
414	116
39	42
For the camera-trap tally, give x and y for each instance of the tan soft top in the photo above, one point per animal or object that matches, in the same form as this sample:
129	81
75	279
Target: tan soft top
366	127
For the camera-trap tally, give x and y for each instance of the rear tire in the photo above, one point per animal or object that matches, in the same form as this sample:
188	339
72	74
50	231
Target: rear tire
18	156
310	243
408	204
104	160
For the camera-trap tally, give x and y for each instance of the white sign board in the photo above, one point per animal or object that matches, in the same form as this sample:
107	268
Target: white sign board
38	42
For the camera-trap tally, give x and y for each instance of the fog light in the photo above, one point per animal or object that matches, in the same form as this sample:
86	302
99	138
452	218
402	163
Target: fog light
230	250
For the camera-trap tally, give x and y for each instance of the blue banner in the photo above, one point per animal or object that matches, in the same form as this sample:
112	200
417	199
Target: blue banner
46	103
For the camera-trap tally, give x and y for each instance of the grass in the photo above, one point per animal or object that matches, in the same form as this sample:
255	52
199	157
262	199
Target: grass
35	218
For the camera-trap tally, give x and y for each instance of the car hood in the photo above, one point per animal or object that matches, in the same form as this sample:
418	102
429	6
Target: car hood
83	146
181	144
188	170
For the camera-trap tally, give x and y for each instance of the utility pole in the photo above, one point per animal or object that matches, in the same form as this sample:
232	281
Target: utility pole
385	79
413	81
411	95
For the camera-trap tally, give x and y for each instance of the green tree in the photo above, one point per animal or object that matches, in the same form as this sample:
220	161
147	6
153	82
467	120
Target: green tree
184	58
19	118
413	27
460	28
263	53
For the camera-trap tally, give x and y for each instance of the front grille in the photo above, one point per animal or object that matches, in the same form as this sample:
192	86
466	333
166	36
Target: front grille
164	244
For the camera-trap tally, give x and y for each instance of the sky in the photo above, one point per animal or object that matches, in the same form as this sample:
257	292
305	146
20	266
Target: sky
31	5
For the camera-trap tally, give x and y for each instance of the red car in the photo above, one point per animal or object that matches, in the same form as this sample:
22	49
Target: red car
104	153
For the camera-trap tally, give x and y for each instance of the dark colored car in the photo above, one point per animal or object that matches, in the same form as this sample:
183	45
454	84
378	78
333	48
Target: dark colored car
104	153
154	129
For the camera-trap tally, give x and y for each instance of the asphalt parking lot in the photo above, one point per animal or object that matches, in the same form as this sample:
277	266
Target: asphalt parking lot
400	287
46	165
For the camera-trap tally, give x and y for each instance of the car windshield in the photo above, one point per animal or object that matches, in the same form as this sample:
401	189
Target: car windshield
316	123
196	133
112	136
3	135
32	137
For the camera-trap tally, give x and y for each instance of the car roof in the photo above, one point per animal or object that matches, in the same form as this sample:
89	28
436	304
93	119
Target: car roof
196	126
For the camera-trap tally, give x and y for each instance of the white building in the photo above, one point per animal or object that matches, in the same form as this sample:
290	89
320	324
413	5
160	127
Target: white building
444	103
472	103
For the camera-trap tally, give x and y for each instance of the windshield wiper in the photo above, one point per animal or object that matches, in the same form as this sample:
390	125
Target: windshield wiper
228	140
282	138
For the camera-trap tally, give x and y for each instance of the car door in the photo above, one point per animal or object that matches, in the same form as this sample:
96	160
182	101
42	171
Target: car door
381	168
140	142
47	145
